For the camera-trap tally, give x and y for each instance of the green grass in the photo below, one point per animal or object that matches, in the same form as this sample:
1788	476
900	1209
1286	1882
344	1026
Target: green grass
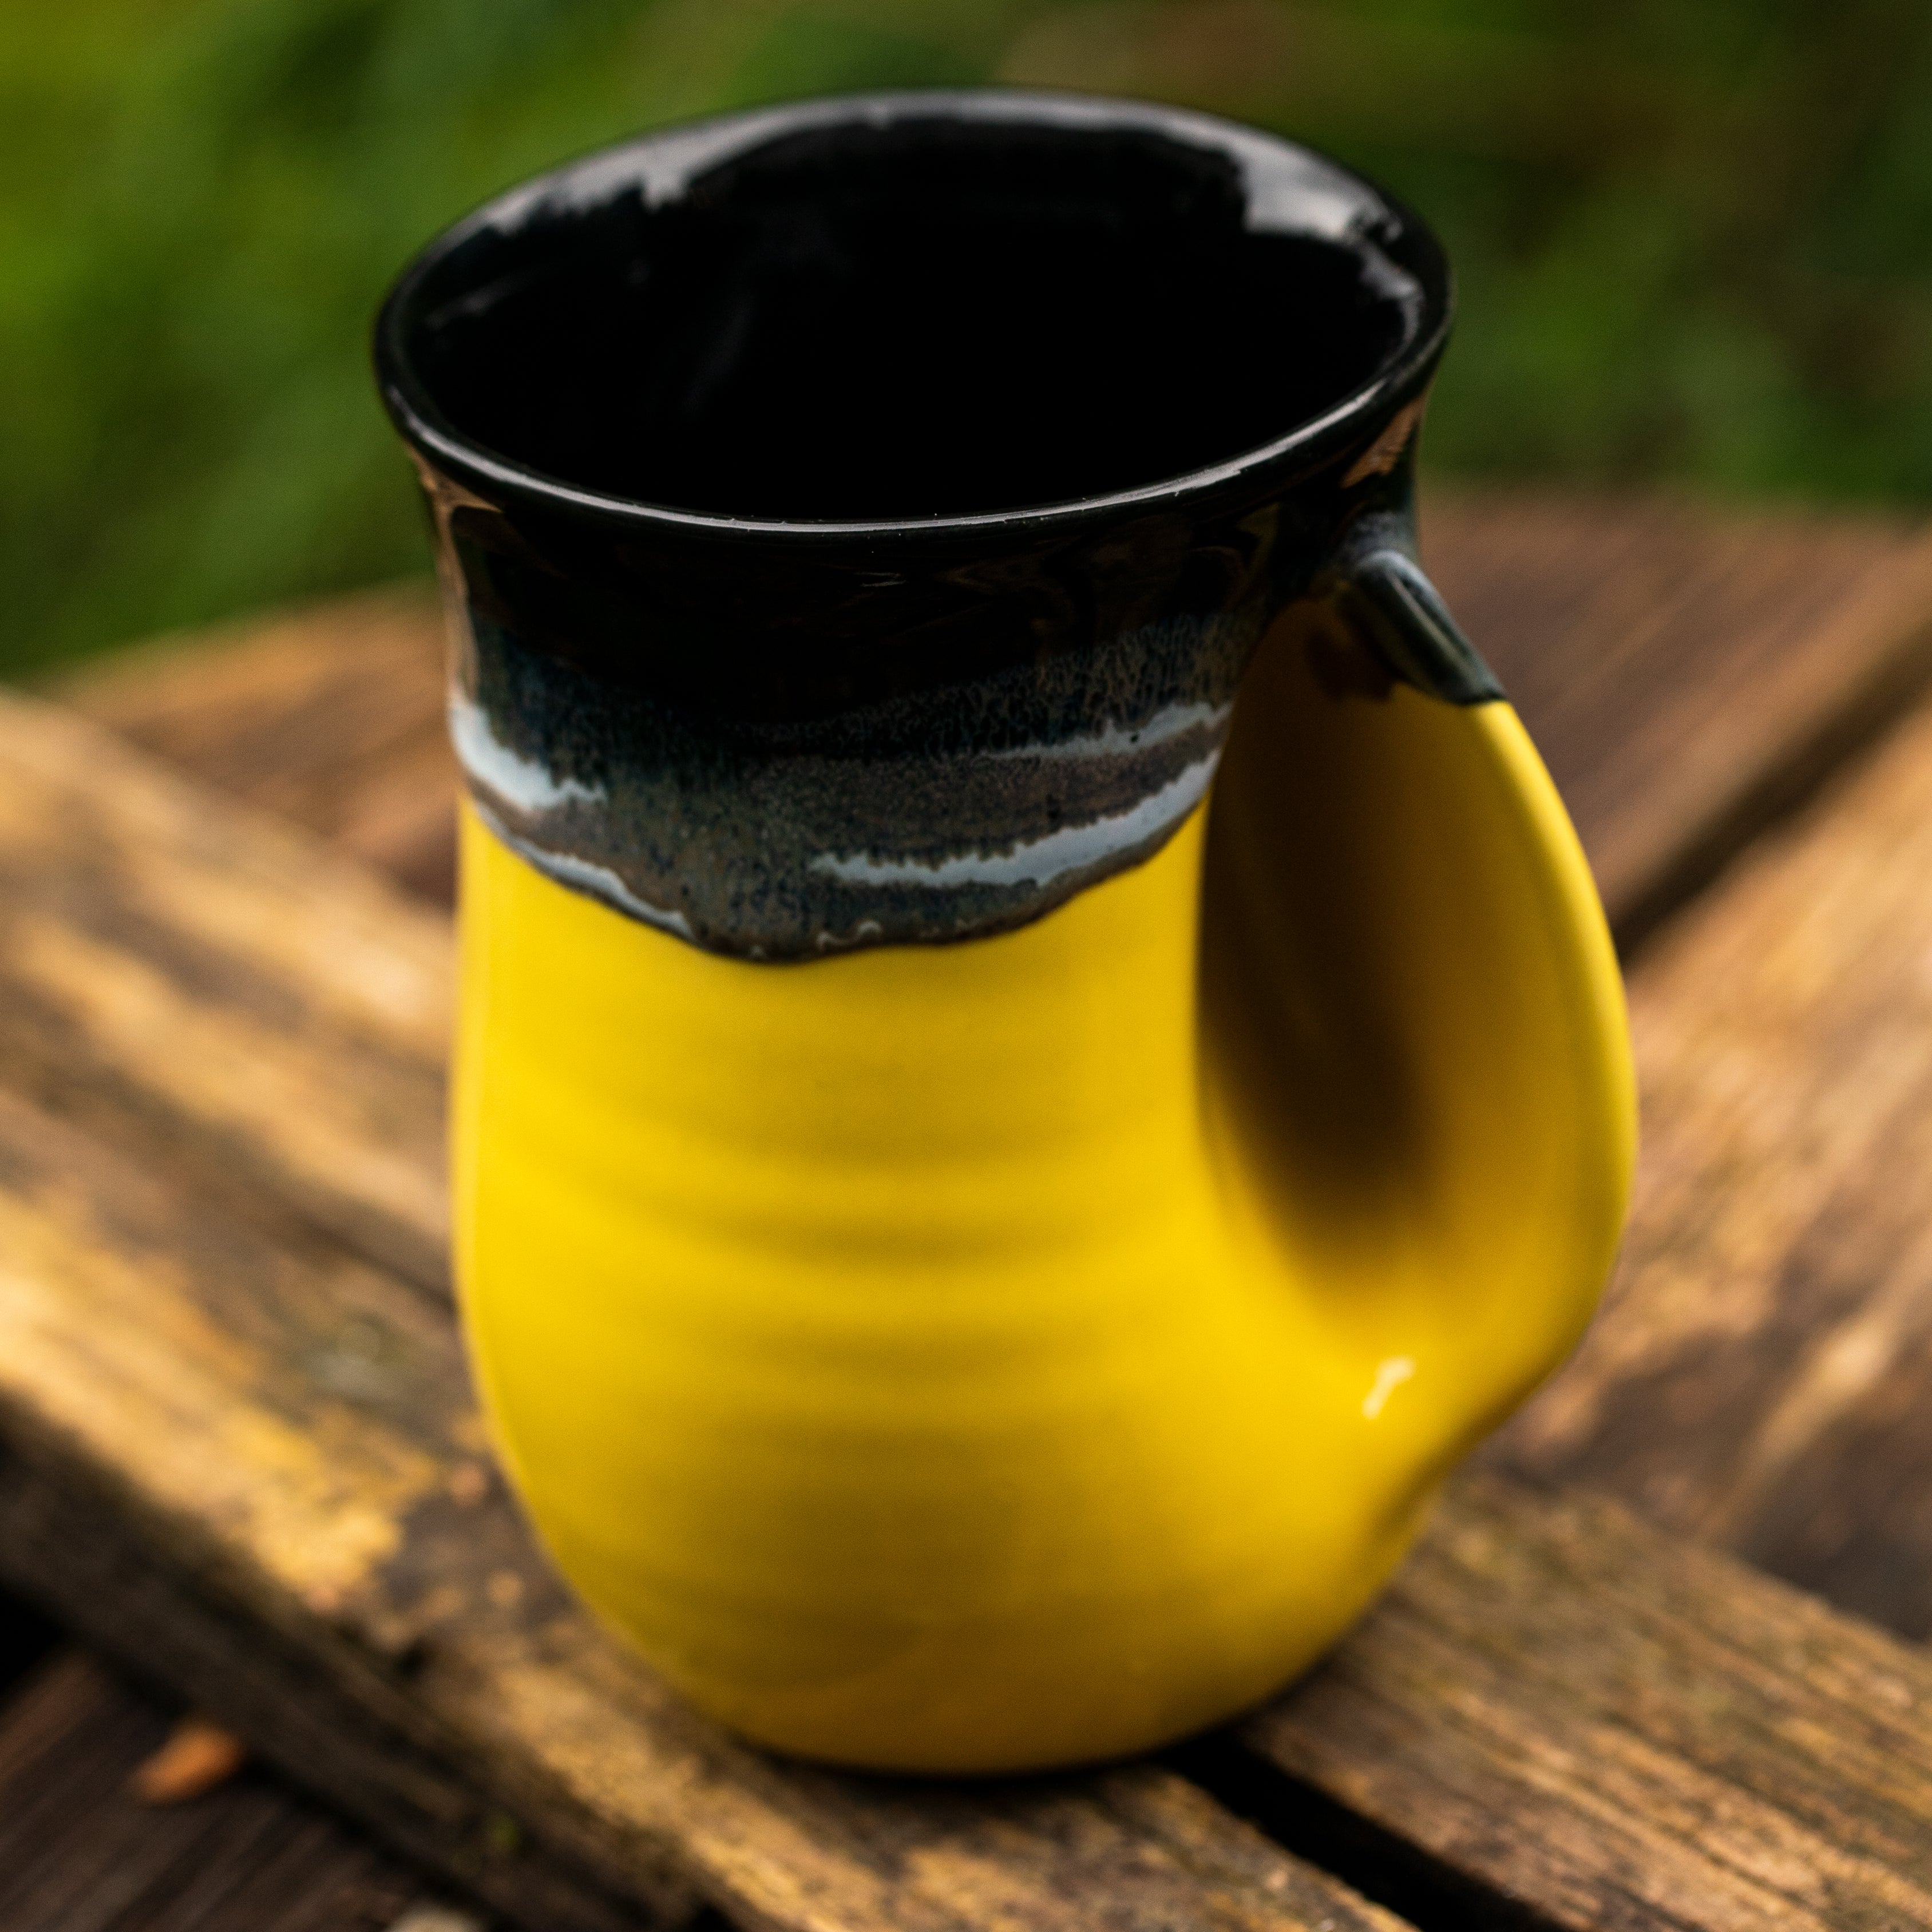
1694	240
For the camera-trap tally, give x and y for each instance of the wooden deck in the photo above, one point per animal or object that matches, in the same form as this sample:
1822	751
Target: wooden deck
239	1456
78	1850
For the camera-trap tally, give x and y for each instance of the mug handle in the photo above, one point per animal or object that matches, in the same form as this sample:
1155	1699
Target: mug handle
1381	589
1417	1063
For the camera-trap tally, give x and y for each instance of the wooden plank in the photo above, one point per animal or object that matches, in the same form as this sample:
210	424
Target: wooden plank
283	1011
80	1853
330	715
1690	674
242	1453
1614	1732
1761	1377
1818	1516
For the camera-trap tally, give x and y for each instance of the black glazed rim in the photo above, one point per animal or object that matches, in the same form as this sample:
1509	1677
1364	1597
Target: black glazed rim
695	146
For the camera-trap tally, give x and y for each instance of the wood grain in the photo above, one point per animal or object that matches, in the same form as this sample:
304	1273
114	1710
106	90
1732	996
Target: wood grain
1761	1358
339	1587
1690	675
1617	1732
79	1854
243	1454
283	1012
1761	1375
330	715
241	1451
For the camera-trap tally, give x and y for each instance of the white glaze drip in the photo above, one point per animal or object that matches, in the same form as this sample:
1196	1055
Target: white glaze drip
1035	861
515	779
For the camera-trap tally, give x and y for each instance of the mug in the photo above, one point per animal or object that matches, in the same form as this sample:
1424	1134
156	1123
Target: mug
1038	1056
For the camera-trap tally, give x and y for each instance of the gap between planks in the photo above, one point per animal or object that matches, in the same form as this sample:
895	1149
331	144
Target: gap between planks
243	1451
80	1853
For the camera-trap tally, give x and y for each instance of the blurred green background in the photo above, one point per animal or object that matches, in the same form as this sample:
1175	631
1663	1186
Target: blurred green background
1694	237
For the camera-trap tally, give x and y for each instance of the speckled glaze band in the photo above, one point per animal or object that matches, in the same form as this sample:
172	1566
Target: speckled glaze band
780	735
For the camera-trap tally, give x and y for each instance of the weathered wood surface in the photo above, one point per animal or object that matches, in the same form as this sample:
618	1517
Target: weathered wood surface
1689	673
80	1853
241	1452
1620	1733
337	723
330	715
241	1449
1761	1375
283	1014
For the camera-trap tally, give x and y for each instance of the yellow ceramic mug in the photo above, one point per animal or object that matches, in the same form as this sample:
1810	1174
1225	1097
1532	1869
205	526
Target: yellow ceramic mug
978	1252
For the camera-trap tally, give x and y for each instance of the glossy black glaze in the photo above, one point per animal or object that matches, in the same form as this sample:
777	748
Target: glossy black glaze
860	514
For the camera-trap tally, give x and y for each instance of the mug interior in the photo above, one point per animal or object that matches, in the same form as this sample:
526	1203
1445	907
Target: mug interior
903	317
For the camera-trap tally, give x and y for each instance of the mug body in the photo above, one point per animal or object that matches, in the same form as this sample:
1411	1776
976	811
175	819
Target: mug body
1037	1057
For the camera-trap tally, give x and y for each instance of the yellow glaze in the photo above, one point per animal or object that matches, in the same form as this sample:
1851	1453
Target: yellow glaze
1006	1355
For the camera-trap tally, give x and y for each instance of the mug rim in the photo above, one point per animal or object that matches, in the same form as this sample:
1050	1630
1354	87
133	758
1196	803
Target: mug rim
689	147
